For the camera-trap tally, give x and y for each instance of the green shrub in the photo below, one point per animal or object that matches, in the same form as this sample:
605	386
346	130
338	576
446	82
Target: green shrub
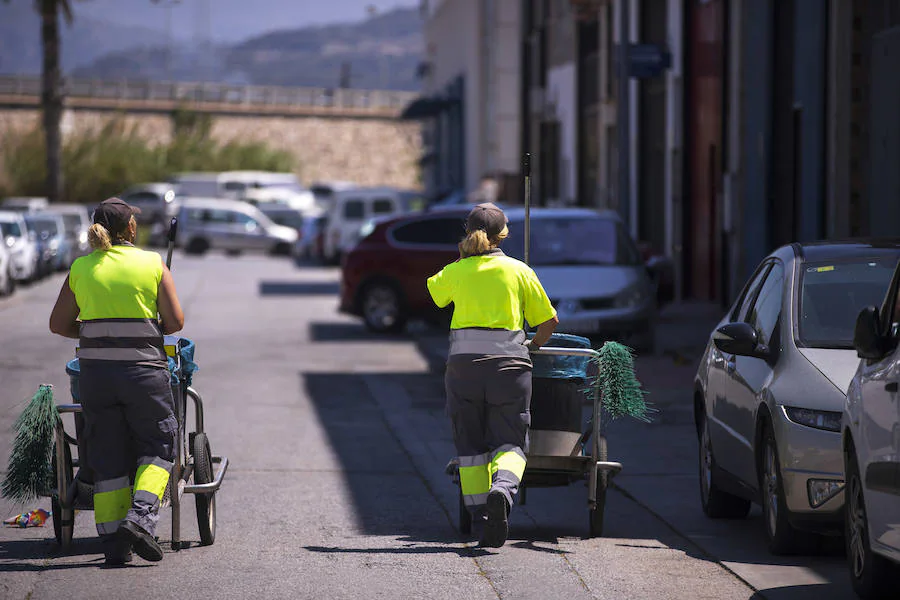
101	163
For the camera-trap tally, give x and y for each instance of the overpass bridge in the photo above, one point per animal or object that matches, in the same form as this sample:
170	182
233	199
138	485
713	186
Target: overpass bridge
218	99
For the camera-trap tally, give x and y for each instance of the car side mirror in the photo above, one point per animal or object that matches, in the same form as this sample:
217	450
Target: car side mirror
867	338
739	339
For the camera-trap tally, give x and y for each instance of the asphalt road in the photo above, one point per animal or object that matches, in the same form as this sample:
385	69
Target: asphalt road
338	441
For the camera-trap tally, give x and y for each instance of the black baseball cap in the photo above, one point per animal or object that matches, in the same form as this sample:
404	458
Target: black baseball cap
115	214
487	217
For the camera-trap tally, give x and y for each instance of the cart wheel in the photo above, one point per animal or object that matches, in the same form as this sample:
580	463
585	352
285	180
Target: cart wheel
206	503
465	517
597	512
63	519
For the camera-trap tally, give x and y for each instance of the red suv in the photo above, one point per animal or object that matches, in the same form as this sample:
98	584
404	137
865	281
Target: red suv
383	278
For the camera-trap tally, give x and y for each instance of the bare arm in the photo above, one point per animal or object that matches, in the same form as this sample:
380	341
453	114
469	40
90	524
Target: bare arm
544	331
167	302
64	318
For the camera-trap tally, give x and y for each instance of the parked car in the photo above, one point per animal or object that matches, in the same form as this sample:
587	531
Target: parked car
349	212
772	384
871	444
24	204
231	225
300	200
234	184
22	248
324	191
585	259
158	203
7	279
77	221
57	252
281	214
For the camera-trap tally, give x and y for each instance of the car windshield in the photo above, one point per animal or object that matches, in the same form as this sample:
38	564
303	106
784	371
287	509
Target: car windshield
573	240
9	229
44	226
833	294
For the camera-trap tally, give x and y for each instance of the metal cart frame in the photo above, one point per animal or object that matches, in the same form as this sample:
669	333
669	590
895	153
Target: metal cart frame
564	467
195	471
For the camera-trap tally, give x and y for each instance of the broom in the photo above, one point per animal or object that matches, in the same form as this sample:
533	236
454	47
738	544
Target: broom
30	470
621	391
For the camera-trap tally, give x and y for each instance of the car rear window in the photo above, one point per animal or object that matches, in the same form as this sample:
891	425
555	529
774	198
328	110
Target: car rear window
10	229
574	240
444	231
832	295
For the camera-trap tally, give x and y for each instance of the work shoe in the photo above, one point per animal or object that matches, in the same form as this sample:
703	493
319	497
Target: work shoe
496	528
141	542
118	560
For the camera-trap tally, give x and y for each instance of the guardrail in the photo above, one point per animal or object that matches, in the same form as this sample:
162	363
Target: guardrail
212	96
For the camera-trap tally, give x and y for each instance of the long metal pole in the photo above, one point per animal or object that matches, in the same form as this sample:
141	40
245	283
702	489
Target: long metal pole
623	120
526	170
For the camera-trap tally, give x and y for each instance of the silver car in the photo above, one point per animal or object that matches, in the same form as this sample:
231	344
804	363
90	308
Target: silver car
230	225
772	385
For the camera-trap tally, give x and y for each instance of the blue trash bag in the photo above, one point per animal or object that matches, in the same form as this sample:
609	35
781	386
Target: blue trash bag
562	367
188	368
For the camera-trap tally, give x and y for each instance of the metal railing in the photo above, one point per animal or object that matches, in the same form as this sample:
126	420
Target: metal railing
213	94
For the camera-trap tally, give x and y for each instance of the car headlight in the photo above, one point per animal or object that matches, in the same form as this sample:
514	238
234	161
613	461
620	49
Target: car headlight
821	491
10	242
83	237
817	419
631	297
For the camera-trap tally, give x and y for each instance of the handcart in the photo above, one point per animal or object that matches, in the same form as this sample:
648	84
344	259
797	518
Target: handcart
195	470
561	450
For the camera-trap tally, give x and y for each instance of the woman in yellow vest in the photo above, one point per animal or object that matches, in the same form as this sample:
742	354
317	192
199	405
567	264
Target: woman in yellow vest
111	302
488	377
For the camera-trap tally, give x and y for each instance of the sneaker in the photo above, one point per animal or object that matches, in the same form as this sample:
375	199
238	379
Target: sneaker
496	528
141	542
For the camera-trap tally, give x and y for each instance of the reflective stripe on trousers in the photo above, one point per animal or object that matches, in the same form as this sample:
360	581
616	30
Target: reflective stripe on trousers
489	342
121	339
151	480
479	474
112	501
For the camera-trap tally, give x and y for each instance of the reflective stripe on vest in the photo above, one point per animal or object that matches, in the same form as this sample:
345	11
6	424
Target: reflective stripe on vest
495	342
121	339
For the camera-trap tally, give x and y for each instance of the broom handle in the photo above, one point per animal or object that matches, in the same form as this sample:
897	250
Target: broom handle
526	170
173	228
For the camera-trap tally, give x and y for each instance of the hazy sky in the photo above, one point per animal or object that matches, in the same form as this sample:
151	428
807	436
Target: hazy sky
232	20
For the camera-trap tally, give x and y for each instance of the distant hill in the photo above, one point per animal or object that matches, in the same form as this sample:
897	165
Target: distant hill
381	52
86	40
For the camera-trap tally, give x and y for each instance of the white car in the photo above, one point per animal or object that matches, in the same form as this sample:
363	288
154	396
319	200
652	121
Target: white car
22	248
7	281
230	225
871	441
77	221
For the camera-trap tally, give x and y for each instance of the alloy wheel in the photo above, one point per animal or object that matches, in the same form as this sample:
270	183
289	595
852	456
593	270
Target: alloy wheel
856	515
381	307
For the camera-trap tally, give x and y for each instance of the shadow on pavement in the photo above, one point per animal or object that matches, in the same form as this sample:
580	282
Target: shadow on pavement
822	591
299	288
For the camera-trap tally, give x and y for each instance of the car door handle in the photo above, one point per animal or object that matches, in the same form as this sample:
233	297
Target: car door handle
891	387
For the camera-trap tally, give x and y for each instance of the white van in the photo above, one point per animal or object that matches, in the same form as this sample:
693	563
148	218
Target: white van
25	204
22	247
235	184
77	220
352	209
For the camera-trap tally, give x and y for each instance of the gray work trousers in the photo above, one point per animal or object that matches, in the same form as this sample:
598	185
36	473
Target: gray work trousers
129	428
488	401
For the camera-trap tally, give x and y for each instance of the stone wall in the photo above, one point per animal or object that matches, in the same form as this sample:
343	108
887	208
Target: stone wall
368	152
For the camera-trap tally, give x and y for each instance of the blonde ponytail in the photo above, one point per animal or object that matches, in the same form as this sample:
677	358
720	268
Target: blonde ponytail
98	237
477	242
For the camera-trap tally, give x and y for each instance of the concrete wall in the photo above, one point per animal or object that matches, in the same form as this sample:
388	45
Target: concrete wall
369	152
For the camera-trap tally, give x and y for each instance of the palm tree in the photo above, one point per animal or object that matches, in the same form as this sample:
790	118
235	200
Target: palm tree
51	89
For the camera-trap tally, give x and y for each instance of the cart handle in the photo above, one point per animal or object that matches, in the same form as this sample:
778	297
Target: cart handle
550	351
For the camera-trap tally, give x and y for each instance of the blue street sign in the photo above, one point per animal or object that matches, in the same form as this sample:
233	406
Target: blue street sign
647	60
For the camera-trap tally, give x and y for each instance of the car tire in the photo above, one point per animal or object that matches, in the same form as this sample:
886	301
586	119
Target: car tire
717	504
198	246
872	575
783	538
382	307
